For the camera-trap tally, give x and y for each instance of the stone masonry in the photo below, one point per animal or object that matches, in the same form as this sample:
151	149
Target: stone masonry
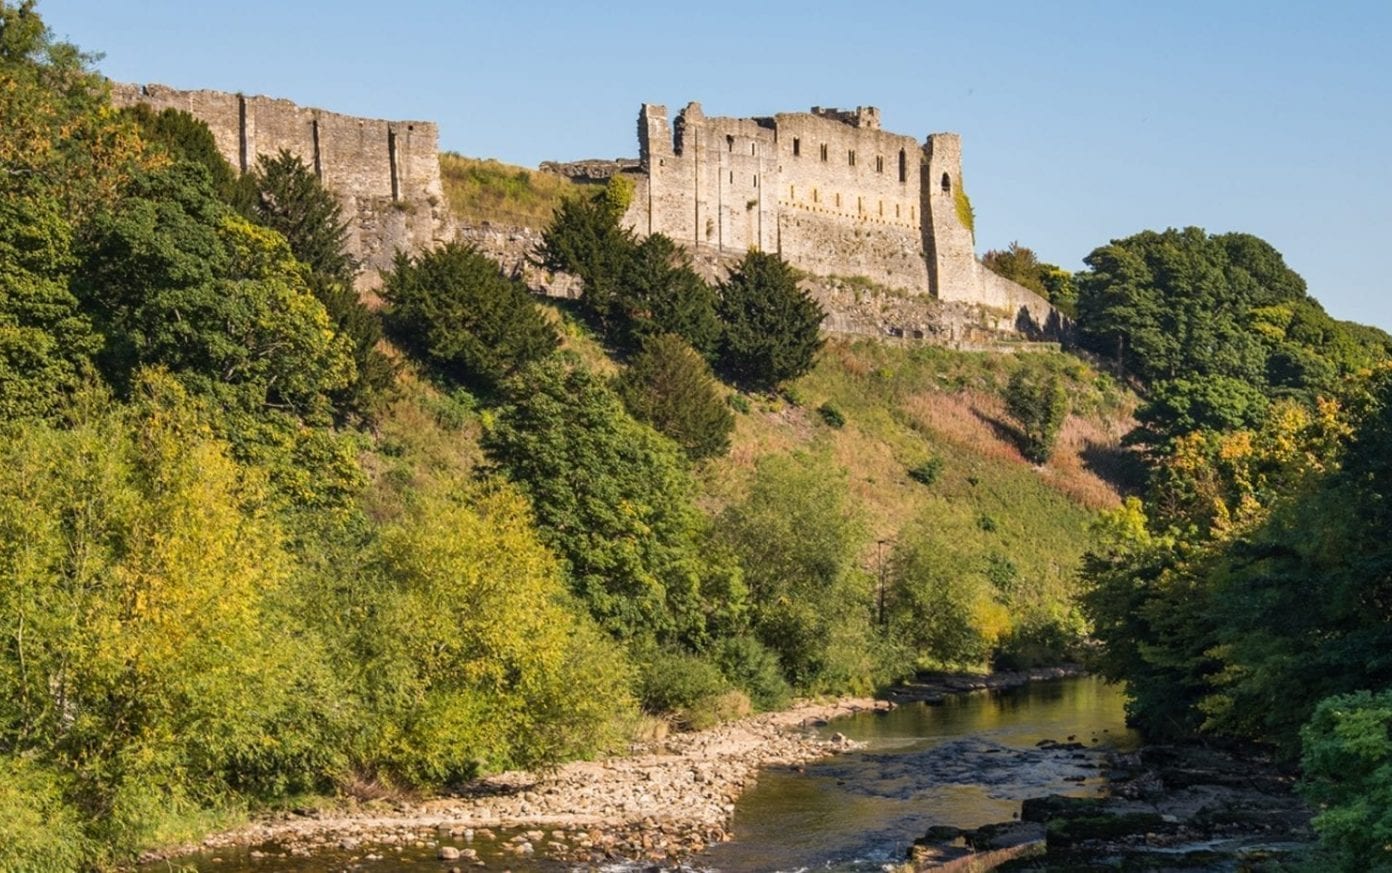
829	190
386	173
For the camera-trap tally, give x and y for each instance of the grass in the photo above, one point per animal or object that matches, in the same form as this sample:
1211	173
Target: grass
480	190
905	406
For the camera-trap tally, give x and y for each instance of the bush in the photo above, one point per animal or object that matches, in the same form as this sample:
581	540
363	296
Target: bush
748	664
453	308
772	328
831	414
670	386
680	684
739	403
1039	404
38	832
926	472
1347	773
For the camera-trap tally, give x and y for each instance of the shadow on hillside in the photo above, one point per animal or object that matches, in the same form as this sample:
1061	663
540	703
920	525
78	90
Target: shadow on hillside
1002	430
1117	465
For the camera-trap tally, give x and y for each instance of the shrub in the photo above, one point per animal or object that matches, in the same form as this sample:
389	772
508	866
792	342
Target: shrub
38	832
750	665
831	414
738	402
1347	773
670	386
771	327
671	680
453	308
1039	404
926	472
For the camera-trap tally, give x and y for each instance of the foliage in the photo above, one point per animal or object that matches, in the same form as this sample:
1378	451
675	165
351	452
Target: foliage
832	415
962	204
38	832
669	386
487	668
796	536
750	665
1040	406
660	293
175	280
926	472
771	325
453	308
612	498
678	683
585	239
1347	774
185	139
1177	407
143	657
285	195
1022	266
939	606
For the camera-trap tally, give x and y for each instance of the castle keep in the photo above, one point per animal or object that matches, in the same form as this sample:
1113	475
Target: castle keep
829	190
385	173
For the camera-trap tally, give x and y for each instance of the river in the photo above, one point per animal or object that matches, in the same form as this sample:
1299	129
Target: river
966	762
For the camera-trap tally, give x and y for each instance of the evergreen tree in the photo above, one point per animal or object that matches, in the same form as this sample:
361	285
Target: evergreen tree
771	327
671	387
454	309
660	293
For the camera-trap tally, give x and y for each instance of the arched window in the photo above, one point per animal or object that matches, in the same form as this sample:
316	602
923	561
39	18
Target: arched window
946	184
729	143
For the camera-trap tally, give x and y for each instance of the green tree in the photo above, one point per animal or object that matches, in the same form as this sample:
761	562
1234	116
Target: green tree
141	655
611	496
1039	404
772	328
284	194
185	138
587	240
1347	775
175	279
670	386
797	536
660	293
486	665
453	307
938	604
1176	407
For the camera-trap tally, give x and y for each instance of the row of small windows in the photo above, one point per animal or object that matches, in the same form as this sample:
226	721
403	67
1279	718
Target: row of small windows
851	158
860	202
752	184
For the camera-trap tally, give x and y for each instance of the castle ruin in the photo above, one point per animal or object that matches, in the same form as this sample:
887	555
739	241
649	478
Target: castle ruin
386	174
831	192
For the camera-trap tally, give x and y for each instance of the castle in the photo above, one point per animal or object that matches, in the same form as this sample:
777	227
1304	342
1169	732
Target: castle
829	190
386	173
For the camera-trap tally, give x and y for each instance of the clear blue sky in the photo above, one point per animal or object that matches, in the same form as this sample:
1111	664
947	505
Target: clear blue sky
1081	121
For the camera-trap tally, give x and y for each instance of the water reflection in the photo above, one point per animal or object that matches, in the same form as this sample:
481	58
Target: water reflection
965	763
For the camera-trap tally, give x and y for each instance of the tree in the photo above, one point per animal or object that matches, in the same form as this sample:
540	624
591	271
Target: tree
453	308
175	279
1347	774
611	496
670	386
939	607
485	665
586	240
1018	264
185	138
772	328
797	536
285	195
1039	404
660	293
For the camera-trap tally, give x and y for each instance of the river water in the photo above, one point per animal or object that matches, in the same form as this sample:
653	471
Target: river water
966	762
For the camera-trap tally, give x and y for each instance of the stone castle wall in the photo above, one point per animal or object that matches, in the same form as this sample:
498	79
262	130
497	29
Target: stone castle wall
830	191
386	173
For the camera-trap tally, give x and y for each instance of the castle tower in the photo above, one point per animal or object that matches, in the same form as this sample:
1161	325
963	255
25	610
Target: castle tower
948	243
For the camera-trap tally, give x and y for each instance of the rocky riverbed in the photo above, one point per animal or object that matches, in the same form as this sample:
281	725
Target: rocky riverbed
1187	807
664	802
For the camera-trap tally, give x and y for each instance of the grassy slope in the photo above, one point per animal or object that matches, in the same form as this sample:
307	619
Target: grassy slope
486	190
904	405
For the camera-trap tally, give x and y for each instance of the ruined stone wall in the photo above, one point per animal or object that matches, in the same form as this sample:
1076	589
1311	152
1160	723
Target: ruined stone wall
386	173
829	190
